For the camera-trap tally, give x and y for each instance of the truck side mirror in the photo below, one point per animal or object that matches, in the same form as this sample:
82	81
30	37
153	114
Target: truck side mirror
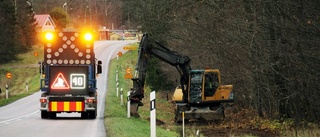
99	67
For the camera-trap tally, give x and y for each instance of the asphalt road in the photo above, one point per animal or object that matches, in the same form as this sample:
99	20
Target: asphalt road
22	118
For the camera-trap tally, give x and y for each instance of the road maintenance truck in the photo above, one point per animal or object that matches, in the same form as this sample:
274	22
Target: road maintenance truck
68	74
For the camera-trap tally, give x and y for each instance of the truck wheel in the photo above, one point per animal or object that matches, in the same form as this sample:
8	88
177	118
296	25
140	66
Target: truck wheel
44	114
84	115
52	115
92	114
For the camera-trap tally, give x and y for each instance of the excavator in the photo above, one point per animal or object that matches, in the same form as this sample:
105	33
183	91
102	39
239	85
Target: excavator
199	95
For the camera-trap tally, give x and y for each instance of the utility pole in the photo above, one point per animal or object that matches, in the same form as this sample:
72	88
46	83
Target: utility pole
15	7
65	5
128	20
85	15
90	13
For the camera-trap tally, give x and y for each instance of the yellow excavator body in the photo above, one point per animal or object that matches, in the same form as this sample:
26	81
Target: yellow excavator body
204	99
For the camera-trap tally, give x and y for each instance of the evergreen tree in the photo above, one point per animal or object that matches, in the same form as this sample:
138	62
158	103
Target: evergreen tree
26	25
267	49
8	31
60	18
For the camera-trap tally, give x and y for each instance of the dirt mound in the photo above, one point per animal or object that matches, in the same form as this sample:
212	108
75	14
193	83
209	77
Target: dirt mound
237	122
158	122
236	132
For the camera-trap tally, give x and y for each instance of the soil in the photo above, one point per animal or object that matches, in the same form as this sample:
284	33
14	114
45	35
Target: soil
214	129
237	123
236	132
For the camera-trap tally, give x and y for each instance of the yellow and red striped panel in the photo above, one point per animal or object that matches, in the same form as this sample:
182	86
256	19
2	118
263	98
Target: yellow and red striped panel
66	106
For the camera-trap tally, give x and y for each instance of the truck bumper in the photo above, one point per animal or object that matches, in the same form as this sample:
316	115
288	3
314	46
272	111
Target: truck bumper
79	104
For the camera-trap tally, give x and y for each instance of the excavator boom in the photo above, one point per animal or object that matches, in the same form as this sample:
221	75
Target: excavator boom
200	92
148	46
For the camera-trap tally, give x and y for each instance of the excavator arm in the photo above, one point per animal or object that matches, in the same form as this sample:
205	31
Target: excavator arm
148	46
202	92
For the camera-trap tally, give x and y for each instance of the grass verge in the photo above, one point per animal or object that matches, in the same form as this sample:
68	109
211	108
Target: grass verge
116	121
23	73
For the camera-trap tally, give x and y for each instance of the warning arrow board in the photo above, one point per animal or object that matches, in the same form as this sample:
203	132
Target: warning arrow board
60	82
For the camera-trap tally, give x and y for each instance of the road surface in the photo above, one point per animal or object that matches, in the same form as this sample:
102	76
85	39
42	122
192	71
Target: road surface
22	118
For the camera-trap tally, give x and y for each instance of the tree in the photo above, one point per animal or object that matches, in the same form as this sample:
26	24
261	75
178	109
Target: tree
86	13
17	25
60	17
266	49
8	32
26	25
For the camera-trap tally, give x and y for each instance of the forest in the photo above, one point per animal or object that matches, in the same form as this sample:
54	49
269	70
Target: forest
267	49
17	25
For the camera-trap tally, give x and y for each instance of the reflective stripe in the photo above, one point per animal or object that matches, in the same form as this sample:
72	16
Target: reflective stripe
54	106
60	106
78	106
73	106
66	106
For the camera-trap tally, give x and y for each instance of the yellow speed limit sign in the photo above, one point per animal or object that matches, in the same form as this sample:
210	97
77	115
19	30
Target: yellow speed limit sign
130	47
128	70
9	75
128	74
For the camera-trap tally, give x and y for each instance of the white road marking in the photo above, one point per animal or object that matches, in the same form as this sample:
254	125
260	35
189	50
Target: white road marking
6	122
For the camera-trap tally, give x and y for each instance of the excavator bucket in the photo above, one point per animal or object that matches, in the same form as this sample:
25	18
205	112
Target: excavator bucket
134	106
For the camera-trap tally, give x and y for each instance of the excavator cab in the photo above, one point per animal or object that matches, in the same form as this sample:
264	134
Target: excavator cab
205	95
211	84
204	84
